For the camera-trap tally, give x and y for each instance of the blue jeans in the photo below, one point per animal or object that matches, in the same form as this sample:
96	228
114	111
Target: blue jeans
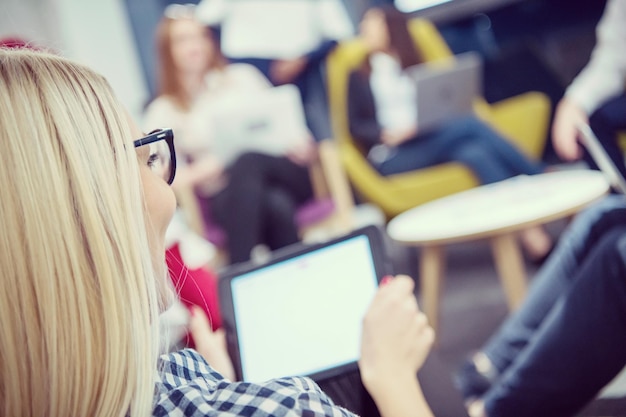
568	339
467	140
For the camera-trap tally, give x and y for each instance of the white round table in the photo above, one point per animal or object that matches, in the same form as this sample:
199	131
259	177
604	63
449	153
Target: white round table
495	212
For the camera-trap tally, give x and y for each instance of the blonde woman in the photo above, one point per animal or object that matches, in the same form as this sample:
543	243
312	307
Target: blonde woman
85	208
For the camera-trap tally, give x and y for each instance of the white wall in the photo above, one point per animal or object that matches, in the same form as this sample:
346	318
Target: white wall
94	32
33	20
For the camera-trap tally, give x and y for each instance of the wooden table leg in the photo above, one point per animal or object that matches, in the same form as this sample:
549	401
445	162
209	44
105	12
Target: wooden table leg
431	279
510	267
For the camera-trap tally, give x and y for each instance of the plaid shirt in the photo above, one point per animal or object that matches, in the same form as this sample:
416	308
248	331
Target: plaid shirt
189	387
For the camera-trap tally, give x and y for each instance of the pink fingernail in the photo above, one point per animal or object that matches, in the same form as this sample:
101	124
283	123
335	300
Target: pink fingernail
386	280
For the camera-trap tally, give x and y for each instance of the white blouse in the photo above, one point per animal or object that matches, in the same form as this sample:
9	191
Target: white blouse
192	128
605	74
395	95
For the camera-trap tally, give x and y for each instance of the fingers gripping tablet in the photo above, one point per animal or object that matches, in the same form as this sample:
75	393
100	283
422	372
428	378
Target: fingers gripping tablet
301	312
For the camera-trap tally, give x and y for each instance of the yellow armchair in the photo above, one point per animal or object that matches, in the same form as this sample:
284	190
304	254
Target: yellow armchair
622	140
523	119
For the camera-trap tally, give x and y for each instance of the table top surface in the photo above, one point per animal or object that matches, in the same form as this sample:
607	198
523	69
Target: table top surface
505	206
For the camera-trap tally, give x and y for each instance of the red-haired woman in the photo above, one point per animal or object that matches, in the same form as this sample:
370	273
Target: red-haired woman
253	199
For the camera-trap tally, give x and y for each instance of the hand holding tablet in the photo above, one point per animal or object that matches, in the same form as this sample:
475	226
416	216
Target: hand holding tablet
396	335
396	342
302	312
318	311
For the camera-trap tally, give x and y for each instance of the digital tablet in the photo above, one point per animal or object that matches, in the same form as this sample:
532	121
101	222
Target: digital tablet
300	313
601	158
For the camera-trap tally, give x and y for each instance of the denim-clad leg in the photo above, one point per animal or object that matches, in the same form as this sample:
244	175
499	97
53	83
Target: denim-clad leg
466	140
504	151
487	166
553	280
421	152
580	345
489	155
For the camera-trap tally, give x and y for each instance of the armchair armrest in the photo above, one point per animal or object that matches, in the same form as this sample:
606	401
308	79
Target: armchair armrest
523	119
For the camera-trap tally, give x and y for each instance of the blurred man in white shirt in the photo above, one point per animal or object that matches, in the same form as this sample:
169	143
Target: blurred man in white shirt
286	40
596	96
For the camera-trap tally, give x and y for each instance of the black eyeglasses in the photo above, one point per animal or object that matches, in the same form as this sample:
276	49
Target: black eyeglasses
162	159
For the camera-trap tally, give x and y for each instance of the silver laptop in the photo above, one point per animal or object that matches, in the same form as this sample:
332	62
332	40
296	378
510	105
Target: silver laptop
446	88
269	121
601	158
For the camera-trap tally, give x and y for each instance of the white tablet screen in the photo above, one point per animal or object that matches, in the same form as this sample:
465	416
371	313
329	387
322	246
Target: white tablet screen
303	315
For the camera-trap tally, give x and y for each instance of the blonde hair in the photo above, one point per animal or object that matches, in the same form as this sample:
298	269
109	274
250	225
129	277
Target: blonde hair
79	296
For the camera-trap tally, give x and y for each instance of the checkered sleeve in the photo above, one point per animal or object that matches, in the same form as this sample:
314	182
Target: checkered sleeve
188	386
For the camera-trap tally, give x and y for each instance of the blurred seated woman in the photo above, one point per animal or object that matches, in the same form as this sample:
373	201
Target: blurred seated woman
254	199
382	112
84	279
